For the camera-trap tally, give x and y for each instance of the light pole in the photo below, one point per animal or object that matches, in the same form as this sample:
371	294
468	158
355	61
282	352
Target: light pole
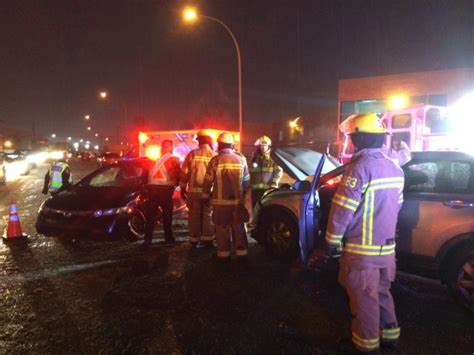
103	95
190	15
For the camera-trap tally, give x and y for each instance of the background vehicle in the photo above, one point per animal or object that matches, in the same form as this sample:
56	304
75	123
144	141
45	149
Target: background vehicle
3	171
17	164
107	203
107	158
435	225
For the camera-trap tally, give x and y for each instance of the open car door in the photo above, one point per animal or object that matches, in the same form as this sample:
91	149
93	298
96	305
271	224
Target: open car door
308	223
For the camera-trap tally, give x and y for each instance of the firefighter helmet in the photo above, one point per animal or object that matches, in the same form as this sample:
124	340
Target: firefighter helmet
226	137
362	123
204	133
263	140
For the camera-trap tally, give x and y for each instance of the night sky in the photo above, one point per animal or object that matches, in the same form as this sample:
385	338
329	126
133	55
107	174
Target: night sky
57	54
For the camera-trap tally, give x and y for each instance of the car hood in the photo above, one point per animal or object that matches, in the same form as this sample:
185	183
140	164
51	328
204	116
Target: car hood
300	163
90	199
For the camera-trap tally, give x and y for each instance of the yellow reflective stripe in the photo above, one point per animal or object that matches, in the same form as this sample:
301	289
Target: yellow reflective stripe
371	217
230	166
219	183
348	199
386	186
365	343
333	238
384	180
202	158
337	202
369	253
369	247
226	202
345	202
364	220
391	334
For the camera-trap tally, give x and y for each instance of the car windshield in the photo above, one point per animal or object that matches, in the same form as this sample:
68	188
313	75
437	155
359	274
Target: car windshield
117	176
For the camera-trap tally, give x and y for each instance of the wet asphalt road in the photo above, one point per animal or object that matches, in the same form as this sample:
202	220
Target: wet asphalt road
88	297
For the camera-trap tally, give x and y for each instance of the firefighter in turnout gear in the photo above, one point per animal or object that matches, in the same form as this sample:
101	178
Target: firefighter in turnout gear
226	183
162	181
264	172
192	177
58	177
362	222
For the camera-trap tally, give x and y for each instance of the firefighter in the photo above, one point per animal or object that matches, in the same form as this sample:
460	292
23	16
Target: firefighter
162	181
192	177
399	152
228	178
264	172
58	177
362	222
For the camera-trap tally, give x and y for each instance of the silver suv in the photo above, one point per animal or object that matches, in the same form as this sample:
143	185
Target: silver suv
435	225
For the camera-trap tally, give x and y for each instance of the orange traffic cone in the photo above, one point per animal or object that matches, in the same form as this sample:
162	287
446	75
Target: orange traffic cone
13	231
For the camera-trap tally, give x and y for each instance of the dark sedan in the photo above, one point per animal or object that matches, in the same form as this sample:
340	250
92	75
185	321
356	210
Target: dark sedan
107	203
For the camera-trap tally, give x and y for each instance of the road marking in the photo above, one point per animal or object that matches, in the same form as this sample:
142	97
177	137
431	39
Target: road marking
36	275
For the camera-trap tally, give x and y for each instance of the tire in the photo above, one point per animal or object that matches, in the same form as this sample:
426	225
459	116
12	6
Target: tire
460	277
280	236
135	226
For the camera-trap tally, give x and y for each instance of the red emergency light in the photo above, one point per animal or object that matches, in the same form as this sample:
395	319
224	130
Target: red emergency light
143	137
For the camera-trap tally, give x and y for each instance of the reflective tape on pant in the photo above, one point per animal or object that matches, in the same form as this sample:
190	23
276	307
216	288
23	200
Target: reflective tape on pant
369	344
241	252
391	334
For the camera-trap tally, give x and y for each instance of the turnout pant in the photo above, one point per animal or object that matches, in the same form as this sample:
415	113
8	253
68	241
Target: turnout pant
239	239
199	221
371	303
159	197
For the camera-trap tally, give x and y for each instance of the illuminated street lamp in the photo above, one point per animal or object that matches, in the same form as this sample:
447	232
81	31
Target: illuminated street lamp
8	144
89	128
69	138
103	94
190	15
53	135
87	117
97	134
107	139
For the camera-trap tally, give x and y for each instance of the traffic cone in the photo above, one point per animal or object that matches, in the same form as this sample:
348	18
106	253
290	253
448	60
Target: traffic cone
13	231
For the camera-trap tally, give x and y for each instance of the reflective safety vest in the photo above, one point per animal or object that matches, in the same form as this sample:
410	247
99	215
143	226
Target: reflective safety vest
164	171
194	169
228	177
56	176
365	208
264	172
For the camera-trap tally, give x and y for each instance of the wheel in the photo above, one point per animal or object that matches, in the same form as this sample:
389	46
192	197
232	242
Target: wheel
460	277
280	236
136	226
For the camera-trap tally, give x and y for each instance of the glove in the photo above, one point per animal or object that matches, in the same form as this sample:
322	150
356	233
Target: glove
183	193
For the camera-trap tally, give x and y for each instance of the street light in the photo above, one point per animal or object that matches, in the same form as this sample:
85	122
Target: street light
89	128
53	135
103	95
190	15
87	117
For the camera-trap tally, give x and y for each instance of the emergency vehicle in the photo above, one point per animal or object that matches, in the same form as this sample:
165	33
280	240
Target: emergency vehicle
422	127
183	142
149	145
